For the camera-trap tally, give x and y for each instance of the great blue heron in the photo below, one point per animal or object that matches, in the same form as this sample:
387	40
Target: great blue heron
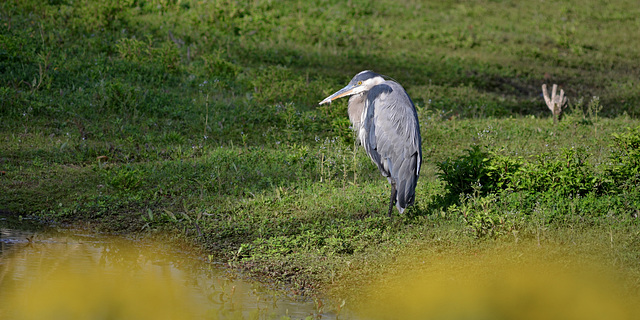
386	122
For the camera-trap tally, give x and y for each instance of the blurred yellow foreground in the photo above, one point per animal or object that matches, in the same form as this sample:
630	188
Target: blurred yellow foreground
521	282
89	279
75	279
73	276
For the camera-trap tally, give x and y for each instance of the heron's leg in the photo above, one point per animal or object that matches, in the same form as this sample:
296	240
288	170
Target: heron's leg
392	201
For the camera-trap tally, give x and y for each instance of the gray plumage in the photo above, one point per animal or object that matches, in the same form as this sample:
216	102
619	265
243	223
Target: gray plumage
386	123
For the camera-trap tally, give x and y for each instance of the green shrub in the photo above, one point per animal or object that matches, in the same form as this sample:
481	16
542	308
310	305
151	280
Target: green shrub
624	171
501	171
478	170
568	174
465	172
494	193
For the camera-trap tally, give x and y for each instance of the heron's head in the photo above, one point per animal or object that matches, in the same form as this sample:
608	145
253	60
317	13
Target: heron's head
362	82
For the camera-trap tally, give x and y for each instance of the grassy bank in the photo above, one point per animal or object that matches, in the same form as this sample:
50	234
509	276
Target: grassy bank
199	120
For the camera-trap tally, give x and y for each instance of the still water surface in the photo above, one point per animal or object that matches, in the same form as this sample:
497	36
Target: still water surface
72	275
86	276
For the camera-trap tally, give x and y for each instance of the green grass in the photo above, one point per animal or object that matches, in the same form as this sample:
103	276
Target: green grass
199	119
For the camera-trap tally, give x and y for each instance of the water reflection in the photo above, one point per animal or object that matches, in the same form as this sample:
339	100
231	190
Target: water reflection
82	276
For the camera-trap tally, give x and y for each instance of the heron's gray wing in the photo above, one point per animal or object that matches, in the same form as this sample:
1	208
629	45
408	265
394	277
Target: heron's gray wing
393	138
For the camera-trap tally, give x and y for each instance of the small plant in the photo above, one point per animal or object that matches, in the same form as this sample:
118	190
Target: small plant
44	65
144	52
133	49
126	179
481	214
219	67
594	107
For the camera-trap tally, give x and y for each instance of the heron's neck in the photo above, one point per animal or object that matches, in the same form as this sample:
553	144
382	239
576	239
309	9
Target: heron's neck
355	110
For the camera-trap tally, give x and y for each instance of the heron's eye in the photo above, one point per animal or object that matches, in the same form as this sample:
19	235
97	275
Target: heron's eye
359	82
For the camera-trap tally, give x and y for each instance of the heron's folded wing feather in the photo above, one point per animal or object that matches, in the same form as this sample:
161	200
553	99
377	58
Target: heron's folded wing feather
394	142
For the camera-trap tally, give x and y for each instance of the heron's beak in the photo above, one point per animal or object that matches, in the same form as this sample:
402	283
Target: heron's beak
346	91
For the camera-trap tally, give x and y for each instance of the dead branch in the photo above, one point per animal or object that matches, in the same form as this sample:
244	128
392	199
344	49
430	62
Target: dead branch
555	103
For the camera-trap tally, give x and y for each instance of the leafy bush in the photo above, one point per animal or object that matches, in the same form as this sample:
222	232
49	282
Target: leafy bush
465	172
478	170
624	172
481	187
568	174
501	171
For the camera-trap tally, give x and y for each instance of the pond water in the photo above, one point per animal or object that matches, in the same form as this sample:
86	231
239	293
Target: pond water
75	275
